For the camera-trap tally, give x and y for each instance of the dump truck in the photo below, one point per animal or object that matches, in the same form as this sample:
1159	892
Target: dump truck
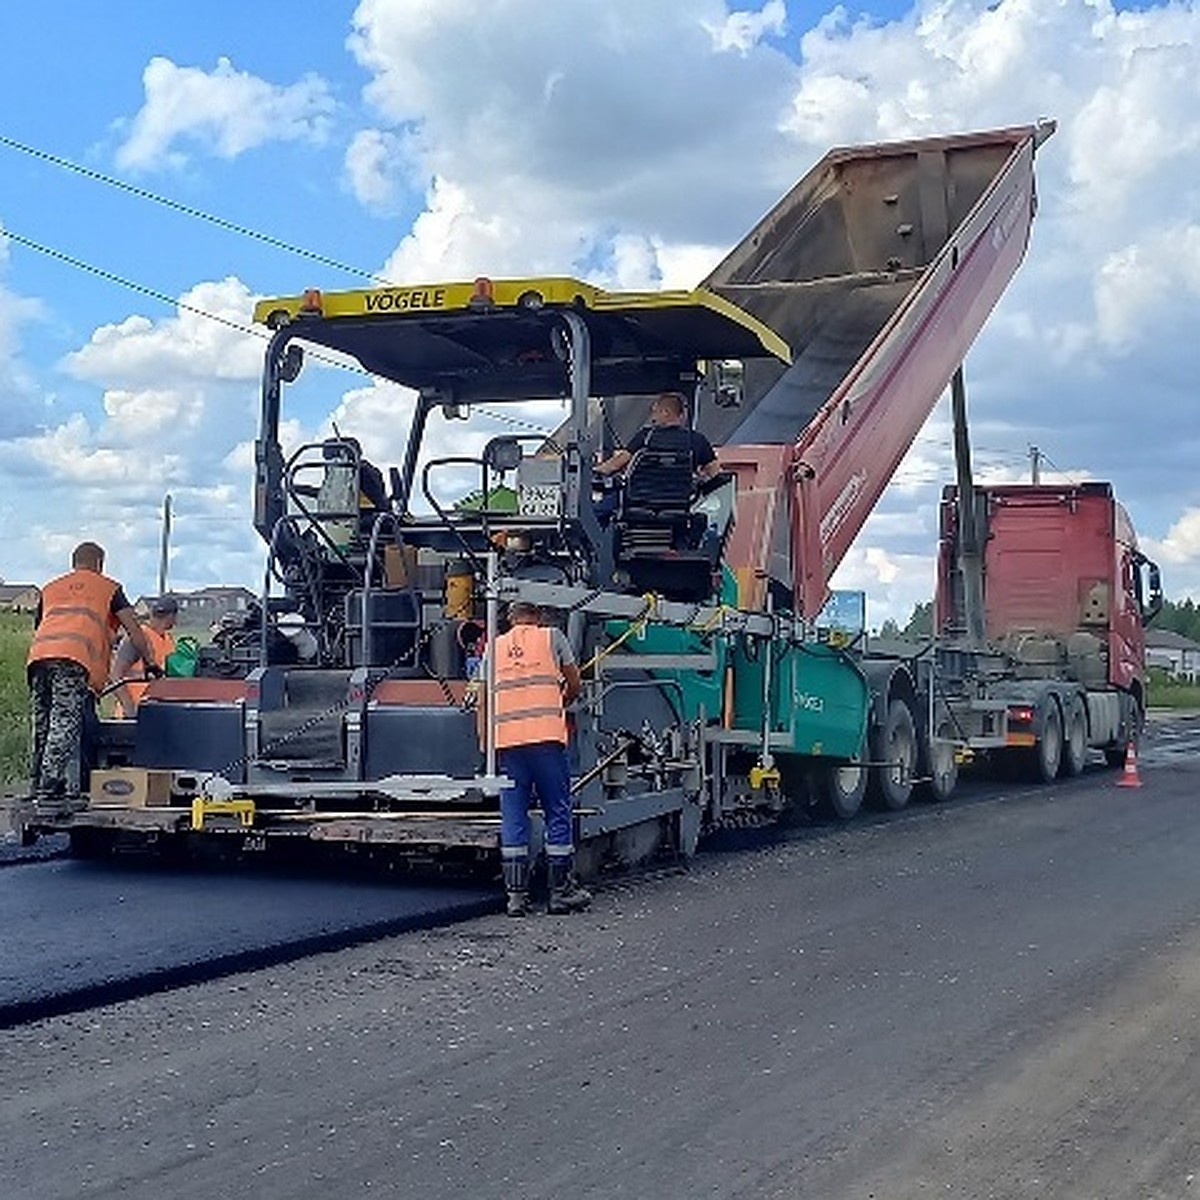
724	681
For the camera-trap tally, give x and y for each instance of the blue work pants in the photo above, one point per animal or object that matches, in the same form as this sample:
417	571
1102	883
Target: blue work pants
540	769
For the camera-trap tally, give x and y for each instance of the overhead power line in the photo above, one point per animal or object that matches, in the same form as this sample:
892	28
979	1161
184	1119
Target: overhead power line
132	285
186	209
173	302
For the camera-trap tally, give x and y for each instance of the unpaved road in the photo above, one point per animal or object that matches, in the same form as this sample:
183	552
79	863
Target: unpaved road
998	998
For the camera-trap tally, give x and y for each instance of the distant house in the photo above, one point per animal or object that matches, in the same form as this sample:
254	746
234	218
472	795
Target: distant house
1179	656
205	606
19	597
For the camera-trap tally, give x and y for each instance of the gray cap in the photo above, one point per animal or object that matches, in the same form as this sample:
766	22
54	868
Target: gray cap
164	606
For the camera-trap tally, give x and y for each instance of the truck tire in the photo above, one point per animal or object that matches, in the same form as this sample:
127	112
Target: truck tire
1044	757
941	764
1075	746
1114	756
838	788
895	749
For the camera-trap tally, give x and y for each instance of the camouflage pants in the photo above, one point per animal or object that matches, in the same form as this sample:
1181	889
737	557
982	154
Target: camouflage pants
60	696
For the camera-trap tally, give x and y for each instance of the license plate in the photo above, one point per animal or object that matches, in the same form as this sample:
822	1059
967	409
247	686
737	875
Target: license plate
540	500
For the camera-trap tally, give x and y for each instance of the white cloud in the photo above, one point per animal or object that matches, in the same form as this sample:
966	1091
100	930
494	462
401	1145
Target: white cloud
190	345
741	31
539	151
224	112
894	583
373	169
177	394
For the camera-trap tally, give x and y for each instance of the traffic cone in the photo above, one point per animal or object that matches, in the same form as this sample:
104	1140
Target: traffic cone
1129	776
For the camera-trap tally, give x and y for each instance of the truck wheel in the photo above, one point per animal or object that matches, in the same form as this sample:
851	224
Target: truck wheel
1074	754
896	748
1045	756
941	764
1114	756
839	787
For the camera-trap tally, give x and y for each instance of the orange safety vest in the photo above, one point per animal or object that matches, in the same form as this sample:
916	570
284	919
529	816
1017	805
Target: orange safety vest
528	689
77	623
162	644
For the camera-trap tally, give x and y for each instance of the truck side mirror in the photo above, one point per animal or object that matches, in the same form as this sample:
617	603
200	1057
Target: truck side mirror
1154	602
291	363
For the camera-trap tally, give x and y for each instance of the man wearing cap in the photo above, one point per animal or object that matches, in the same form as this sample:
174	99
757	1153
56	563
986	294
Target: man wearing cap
77	617
535	678
127	664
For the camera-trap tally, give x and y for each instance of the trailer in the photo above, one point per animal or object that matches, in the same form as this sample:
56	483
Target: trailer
724	682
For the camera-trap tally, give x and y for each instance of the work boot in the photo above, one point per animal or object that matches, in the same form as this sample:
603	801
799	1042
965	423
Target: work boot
566	894
516	883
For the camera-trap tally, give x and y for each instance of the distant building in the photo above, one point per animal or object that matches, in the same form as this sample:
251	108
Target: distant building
19	597
205	606
1179	656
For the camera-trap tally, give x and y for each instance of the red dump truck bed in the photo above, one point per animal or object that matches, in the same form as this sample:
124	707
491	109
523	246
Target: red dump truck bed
878	268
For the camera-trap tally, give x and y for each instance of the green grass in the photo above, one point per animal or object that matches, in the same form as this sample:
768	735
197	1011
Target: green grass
1165	692
15	632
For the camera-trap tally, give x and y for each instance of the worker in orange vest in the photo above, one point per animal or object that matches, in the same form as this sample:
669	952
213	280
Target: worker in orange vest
76	619
536	676
128	666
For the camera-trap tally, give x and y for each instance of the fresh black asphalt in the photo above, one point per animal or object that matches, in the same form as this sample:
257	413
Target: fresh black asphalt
75	933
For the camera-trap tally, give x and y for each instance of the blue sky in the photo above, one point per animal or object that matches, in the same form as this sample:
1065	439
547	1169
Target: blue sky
629	142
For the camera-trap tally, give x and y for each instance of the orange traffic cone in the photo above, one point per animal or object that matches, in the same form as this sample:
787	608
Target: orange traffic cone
1129	776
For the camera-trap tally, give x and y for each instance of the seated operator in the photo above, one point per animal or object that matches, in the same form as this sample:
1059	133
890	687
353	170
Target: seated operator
667	413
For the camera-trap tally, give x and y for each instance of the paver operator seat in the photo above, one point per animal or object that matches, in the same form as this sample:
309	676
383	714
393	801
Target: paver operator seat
658	535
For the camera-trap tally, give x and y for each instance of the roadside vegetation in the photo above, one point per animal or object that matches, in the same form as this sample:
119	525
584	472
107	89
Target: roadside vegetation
15	631
1165	692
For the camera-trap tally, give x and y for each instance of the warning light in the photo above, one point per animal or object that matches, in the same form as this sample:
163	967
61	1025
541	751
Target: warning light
484	295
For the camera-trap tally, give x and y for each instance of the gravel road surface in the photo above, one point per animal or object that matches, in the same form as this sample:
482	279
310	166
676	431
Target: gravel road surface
995	998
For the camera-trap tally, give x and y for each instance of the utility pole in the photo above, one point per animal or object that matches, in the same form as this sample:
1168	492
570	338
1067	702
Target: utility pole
970	537
166	544
1035	465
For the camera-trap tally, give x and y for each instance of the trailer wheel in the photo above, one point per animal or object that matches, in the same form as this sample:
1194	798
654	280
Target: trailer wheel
941	763
839	787
896	748
1044	758
1114	756
1074	754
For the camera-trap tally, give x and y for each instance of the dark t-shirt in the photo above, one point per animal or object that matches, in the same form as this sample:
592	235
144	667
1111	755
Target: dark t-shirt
702	451
370	484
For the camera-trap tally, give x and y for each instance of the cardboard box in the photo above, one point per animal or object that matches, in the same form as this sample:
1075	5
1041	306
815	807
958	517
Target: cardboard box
131	787
399	566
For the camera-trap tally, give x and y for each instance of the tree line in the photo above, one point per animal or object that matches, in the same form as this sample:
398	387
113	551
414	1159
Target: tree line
1182	616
